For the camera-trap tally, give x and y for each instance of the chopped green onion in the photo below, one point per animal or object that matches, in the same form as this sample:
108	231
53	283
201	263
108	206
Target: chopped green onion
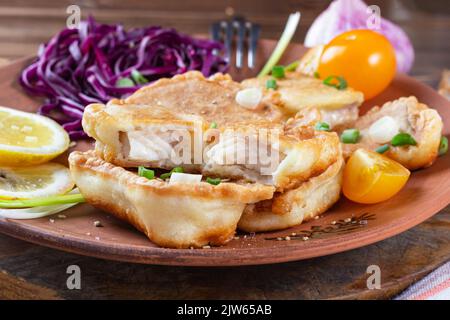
350	136
382	149
124	82
167	175
34	212
341	83
271	84
146	173
138	77
288	33
403	139
322	126
38	202
213	125
292	67
316	75
213	181
443	146
278	72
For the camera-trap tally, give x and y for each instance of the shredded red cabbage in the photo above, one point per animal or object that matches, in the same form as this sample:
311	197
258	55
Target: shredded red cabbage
89	64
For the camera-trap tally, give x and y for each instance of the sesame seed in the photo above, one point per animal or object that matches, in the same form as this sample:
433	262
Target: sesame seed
305	238
51	220
236	238
279	239
97	238
333	222
62	216
206	247
88	233
348	220
316	217
293	234
287	238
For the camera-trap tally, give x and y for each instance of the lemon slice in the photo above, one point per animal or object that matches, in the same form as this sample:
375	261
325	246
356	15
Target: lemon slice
29	139
39	181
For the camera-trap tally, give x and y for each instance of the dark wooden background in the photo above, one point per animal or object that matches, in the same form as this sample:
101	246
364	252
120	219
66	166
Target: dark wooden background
31	272
26	23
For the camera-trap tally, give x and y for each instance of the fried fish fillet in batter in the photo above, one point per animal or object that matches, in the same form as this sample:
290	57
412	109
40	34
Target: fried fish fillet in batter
131	135
213	98
171	214
296	154
297	205
411	116
297	91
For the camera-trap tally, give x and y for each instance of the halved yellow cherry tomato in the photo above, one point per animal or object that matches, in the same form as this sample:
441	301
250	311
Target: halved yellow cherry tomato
365	58
370	177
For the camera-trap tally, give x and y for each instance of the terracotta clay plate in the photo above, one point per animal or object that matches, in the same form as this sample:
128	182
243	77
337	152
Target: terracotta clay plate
346	226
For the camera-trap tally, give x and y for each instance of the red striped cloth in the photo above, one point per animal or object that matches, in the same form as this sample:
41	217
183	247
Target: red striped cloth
435	286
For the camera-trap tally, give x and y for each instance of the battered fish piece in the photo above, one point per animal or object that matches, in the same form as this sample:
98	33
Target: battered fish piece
171	214
296	92
294	155
211	98
130	135
295	206
412	117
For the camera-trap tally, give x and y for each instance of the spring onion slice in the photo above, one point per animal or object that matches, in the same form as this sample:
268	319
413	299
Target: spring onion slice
271	84
138	77
34	213
292	66
403	139
322	126
39	202
278	72
337	82
350	136
213	181
288	33
443	146
146	173
38	211
124	83
382	149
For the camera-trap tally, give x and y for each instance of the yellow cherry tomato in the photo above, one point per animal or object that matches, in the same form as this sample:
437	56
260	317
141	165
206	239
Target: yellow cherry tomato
370	177
365	58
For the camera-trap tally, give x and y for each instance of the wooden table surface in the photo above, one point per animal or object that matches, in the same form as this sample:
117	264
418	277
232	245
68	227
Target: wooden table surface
31	272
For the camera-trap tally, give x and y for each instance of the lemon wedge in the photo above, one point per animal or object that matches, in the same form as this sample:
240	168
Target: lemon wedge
29	139
39	181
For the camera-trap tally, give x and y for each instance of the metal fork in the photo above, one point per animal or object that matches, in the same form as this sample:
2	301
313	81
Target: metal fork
245	31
